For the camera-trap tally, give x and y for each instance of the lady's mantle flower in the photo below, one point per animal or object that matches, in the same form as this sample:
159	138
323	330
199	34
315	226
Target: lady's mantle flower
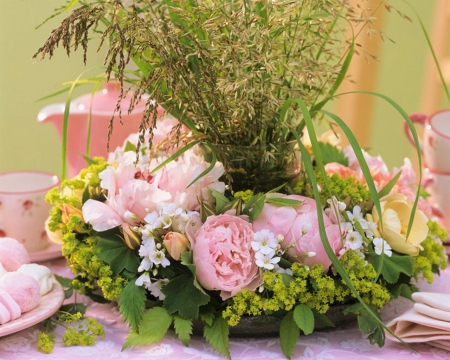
381	246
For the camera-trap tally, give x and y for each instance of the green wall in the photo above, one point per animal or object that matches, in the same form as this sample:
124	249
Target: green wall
25	144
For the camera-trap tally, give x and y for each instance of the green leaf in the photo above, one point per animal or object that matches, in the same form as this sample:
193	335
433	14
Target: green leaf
378	337
233	205
221	200
402	289
331	154
117	254
289	334
217	335
186	260
388	187
65	282
367	324
205	211
154	325
257	207
183	328
74	308
182	296
392	266
132	304
304	318
207	315
129	147
284	202
321	317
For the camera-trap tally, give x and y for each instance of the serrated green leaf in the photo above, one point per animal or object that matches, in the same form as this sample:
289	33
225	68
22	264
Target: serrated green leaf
284	202
331	154
182	296
154	325
366	324
402	289
117	254
221	200
186	260
377	337
304	318
207	317
392	266
183	328
217	335
132	304
289	334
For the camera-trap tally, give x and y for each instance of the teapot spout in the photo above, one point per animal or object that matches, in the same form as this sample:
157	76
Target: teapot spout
52	114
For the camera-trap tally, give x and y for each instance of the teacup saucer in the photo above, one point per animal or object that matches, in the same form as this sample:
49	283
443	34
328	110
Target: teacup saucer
52	251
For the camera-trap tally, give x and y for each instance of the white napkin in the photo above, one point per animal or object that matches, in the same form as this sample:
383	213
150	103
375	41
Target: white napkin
428	321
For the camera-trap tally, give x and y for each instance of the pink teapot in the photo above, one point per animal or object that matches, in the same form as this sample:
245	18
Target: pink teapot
103	104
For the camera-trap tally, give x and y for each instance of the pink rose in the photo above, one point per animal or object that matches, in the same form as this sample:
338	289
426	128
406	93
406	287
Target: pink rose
223	255
300	227
341	170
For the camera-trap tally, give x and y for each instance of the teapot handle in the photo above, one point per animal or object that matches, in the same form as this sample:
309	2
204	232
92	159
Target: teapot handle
416	118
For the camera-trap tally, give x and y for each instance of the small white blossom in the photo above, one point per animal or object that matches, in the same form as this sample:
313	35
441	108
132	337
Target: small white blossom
369	230
266	261
159	258
144	279
356	215
381	246
279	270
310	254
151	218
264	241
129	215
155	288
334	203
169	209
354	240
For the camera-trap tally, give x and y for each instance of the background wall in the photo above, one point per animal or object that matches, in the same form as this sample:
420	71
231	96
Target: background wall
25	144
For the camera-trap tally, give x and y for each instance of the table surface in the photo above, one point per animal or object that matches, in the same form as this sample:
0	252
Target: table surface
345	342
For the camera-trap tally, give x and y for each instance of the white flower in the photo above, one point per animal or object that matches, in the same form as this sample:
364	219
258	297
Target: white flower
381	246
264	241
266	261
144	279
130	216
369	230
307	226
354	240
279	270
159	258
356	215
151	217
155	288
169	209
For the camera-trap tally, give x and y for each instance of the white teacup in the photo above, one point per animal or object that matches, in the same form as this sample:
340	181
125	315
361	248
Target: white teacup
23	209
438	185
435	146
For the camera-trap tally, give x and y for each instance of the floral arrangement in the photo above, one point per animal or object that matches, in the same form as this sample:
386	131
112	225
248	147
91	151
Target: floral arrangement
223	210
199	254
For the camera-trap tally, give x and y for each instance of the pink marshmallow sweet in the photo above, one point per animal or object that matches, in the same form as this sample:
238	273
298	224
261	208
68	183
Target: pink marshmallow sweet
10	305
5	316
12	254
23	289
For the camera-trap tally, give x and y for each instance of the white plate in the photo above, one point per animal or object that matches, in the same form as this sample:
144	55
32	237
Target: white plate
52	251
49	304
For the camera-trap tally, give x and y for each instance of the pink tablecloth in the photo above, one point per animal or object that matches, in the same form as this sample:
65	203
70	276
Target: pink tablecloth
345	342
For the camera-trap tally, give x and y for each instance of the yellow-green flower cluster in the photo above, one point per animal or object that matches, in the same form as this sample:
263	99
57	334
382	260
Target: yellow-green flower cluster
349	190
432	257
79	245
85	333
309	286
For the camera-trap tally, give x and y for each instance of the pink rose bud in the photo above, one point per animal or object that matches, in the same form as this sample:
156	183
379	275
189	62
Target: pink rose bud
176	244
131	238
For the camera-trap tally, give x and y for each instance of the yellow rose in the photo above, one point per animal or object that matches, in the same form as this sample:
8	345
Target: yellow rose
396	211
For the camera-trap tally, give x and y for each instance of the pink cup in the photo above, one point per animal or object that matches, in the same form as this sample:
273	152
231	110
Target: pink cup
435	146
23	209
438	185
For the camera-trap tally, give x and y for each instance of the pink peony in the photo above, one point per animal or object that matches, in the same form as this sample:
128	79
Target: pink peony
300	227
223	255
342	170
